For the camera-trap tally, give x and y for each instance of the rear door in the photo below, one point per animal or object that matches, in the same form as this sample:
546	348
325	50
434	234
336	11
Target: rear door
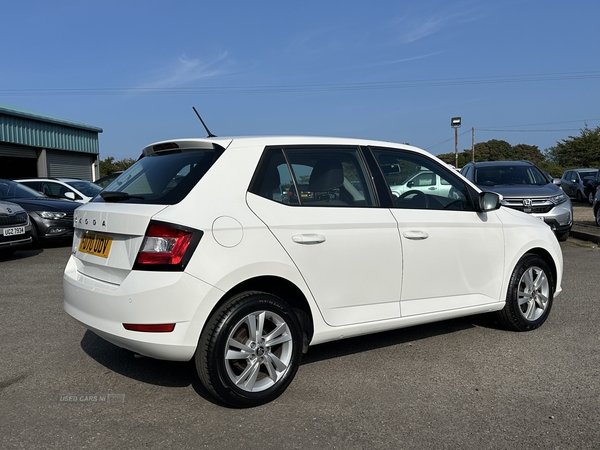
346	248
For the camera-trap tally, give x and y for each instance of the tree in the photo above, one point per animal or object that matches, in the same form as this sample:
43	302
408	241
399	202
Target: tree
109	165
528	152
577	151
496	150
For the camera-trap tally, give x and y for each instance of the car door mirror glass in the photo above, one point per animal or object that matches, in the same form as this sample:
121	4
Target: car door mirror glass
489	201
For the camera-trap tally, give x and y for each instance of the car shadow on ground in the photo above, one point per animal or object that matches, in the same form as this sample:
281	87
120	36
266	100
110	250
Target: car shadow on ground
34	249
140	368
183	374
351	346
21	254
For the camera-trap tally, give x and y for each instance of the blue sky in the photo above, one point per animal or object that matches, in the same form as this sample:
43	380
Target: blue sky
525	71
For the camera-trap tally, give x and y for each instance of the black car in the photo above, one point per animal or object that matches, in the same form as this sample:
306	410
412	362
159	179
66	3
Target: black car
51	219
592	183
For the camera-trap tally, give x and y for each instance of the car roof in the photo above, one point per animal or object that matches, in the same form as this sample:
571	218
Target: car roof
48	179
225	142
502	163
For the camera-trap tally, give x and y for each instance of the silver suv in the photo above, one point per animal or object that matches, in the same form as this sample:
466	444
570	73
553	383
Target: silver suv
524	187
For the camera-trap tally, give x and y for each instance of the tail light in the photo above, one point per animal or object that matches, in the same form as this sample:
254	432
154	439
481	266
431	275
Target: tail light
166	247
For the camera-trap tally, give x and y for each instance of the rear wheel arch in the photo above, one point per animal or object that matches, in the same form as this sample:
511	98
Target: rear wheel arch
281	288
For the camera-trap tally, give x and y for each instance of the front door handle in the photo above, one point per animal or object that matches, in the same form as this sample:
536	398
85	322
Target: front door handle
415	235
308	239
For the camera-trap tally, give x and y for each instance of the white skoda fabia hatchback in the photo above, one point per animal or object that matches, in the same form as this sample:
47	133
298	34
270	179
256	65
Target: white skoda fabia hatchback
242	252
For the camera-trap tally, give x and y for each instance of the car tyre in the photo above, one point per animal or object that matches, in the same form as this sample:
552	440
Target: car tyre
597	216
530	295
562	237
249	350
579	196
590	197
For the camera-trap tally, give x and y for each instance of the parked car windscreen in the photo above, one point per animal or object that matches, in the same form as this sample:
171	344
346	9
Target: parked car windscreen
85	187
162	179
508	175
11	189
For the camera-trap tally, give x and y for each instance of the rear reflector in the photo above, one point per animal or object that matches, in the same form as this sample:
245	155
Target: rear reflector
166	247
155	328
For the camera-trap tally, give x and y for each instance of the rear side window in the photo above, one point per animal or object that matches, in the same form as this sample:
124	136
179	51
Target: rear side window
314	176
162	179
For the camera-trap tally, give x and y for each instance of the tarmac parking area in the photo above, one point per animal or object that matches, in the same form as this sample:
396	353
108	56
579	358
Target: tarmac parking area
464	383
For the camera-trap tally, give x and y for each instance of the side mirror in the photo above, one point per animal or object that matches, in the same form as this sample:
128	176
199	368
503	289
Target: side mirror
489	201
70	195
410	184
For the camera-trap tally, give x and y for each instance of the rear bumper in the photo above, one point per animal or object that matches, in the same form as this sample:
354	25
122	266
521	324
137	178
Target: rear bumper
142	298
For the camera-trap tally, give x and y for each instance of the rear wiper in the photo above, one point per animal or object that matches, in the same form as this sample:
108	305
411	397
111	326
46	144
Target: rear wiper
113	196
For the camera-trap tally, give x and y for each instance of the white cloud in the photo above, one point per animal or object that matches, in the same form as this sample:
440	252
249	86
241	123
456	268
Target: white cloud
411	28
186	71
397	61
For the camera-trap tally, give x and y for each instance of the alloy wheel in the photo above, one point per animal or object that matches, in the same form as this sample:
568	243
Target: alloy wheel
533	294
259	351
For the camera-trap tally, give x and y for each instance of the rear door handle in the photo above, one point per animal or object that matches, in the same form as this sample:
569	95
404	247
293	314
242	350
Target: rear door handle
308	239
415	235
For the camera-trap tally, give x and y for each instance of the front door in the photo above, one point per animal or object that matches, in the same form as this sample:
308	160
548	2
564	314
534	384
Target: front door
453	255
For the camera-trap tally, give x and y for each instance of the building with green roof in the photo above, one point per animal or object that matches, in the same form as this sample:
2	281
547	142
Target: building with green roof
38	145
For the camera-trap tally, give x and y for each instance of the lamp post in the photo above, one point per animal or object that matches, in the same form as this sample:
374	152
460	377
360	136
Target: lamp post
455	123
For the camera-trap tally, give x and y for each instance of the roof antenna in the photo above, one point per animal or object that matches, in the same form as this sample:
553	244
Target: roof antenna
203	124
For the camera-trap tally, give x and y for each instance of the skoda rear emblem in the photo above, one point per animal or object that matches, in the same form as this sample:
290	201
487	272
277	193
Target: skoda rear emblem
527	203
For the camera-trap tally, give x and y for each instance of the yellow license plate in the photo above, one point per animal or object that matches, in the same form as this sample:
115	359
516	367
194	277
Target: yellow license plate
95	244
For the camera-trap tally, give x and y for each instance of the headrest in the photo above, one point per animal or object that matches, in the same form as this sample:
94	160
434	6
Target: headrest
326	175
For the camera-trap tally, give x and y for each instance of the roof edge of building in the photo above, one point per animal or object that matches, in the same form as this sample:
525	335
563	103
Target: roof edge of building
20	112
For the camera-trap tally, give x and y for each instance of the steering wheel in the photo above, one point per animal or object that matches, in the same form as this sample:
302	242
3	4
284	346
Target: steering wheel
414	194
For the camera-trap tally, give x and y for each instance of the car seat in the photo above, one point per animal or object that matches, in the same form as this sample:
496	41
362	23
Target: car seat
327	174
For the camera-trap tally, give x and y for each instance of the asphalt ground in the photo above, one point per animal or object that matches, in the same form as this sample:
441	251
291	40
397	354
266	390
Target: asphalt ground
584	224
458	384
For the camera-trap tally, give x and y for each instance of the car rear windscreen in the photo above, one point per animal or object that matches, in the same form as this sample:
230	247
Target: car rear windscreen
162	179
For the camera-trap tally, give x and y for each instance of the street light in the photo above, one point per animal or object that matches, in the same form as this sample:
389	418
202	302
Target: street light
455	123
